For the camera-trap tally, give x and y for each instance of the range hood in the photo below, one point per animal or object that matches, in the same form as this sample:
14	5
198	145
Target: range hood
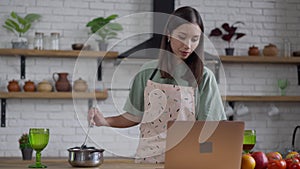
161	6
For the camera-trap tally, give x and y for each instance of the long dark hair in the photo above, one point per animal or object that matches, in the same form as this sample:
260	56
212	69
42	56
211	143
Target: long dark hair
195	60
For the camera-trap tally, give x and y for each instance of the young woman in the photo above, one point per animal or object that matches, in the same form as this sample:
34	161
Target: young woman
177	86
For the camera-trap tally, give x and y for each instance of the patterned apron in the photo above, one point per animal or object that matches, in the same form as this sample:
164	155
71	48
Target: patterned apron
163	103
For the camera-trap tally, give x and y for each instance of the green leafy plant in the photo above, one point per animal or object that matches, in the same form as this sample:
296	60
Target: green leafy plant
228	32
104	28
24	141
20	25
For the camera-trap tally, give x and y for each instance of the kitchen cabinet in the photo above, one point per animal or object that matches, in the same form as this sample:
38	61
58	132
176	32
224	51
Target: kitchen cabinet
23	53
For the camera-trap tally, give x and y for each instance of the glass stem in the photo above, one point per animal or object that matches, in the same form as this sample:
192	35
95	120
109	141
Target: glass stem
38	158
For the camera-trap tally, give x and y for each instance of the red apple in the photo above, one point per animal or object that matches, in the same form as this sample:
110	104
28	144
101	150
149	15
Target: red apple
273	156
261	160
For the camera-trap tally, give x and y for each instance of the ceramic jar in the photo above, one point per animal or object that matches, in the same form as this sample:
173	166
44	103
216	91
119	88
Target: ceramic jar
253	51
44	86
29	86
80	85
13	86
270	50
62	83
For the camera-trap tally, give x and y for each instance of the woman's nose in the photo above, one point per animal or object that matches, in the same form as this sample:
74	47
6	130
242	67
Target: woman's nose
187	44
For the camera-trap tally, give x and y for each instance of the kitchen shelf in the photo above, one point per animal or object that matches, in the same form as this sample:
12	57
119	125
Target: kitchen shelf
101	95
23	53
262	98
58	53
260	59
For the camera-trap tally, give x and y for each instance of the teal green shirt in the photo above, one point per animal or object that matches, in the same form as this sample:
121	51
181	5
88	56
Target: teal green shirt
208	100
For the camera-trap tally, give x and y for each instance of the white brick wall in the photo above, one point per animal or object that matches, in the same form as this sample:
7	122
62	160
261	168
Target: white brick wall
266	22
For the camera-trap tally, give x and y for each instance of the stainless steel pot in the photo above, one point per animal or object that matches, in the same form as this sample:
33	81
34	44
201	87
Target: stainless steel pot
85	157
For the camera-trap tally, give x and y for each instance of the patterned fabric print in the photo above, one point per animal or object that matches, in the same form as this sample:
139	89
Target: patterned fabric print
163	103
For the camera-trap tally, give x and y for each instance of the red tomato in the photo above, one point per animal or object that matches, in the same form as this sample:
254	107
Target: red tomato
289	161
294	165
277	164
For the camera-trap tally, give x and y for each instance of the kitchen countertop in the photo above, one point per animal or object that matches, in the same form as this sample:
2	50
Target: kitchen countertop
61	163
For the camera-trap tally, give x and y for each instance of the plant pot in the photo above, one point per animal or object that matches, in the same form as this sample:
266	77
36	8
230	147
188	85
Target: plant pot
27	153
102	46
229	51
20	43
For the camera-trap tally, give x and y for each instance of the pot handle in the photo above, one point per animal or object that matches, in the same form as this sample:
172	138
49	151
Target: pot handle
54	75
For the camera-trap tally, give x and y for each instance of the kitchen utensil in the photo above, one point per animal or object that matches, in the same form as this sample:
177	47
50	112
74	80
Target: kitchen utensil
86	136
294	135
38	139
86	157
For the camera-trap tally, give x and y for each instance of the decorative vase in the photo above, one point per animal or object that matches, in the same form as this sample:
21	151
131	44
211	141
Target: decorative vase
80	85
20	43
27	153
13	86
29	86
253	51
229	51
61	82
270	50
44	86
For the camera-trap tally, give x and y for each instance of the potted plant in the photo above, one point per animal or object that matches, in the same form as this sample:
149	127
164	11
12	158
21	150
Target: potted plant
25	147
229	34
104	29
20	25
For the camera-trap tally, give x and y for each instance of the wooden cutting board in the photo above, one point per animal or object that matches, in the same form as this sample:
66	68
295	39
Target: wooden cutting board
62	163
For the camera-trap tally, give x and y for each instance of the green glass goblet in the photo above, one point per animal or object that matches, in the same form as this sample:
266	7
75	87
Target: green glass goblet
282	84
249	140
38	139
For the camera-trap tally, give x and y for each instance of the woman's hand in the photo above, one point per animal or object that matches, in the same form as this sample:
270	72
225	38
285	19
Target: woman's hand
95	117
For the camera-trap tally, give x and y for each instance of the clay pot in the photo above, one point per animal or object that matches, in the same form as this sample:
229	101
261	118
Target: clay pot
13	86
61	82
253	51
270	50
29	86
80	85
44	86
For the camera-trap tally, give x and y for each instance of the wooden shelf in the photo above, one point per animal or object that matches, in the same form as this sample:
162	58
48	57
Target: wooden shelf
54	95
260	59
262	98
58	53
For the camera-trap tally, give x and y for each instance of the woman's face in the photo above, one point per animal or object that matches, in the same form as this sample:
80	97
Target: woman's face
185	39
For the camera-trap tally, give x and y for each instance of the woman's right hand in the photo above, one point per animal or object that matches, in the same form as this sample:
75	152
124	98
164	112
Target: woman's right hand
95	117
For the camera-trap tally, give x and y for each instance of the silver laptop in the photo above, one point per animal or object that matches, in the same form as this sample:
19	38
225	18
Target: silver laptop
204	145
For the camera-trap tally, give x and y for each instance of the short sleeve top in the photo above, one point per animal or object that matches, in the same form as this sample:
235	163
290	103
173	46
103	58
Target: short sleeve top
208	100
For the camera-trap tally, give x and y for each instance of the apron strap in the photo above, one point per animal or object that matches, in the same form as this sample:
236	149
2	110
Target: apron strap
153	73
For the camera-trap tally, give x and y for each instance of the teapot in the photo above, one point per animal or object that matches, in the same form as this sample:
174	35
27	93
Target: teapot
62	83
13	86
29	86
270	50
44	86
80	85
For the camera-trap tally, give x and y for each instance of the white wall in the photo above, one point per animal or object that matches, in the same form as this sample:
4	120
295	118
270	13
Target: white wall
266	22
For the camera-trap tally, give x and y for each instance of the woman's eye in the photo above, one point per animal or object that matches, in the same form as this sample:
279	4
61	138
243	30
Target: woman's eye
195	39
181	37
